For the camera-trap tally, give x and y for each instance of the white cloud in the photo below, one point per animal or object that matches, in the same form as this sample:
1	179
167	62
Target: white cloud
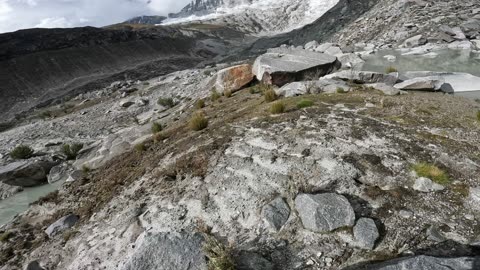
20	14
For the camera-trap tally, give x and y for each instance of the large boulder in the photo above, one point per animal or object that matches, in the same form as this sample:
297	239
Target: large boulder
350	60
280	66
59	173
61	225
431	83
252	261
364	77
233	78
26	173
276	213
423	262
168	251
454	81
324	212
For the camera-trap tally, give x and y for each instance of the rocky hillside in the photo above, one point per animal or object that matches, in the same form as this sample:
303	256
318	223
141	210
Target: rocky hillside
41	65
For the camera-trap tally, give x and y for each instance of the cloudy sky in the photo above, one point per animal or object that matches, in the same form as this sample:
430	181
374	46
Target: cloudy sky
20	14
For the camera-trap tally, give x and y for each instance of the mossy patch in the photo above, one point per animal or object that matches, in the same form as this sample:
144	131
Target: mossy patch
305	103
432	172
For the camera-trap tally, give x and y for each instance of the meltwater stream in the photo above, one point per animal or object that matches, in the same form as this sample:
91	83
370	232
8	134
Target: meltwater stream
19	202
446	60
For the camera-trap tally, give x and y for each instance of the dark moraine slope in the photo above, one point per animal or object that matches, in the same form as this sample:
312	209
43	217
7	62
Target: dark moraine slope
38	66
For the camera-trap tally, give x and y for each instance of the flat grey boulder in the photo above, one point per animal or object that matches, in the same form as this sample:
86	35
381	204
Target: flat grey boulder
432	83
61	225
365	233
280	66
276	213
168	251
387	90
350	60
423	262
426	185
364	77
26	173
415	41
252	261
454	81
324	212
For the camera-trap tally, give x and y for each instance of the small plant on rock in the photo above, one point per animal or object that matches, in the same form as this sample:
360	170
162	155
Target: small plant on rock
340	90
390	69
304	103
277	107
71	150
432	172
219	256
166	102
22	152
198	121
156	127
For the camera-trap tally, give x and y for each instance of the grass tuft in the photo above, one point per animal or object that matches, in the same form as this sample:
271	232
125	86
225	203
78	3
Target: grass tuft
214	96
478	116
432	172
22	152
340	90
200	104
269	94
390	69
219	256
198	121
277	107
141	147
227	93
156	127
304	103
5	236
71	150
166	102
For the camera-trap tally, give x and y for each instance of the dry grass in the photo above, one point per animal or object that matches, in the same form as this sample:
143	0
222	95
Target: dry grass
166	102
478	116
141	147
340	90
432	172
277	107
198	121
214	95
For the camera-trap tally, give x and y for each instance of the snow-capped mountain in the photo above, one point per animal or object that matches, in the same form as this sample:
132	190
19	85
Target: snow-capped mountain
261	17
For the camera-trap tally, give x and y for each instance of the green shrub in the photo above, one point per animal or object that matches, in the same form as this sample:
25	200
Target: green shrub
198	121
86	169
432	172
277	107
340	90
166	102
200	104
71	151
227	93
141	147
304	103
22	152
390	69
5	236
214	96
156	127
219	256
